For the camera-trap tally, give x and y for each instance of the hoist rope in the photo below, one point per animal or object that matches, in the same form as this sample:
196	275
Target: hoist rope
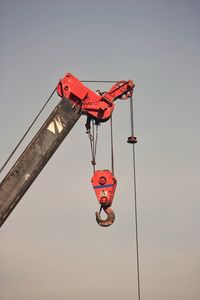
91	147
96	139
111	81
135	202
112	146
23	137
93	137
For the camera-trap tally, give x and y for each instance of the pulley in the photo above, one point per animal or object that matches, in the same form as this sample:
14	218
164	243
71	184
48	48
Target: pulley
104	184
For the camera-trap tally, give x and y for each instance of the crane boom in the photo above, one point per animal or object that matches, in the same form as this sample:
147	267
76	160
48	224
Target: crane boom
36	155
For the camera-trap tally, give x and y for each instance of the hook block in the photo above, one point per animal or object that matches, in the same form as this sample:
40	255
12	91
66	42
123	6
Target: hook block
104	184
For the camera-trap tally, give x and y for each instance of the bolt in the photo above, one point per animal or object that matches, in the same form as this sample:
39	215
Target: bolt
102	180
104	201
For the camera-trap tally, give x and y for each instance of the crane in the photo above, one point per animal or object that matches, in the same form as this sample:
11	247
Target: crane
76	100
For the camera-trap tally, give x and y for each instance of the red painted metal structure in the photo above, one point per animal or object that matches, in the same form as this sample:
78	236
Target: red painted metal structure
104	184
77	100
99	107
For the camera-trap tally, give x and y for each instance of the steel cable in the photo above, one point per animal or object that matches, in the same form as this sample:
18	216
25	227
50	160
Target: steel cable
112	146
29	128
135	202
103	81
93	137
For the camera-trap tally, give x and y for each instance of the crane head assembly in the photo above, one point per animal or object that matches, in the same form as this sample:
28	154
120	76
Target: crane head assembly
77	100
99	107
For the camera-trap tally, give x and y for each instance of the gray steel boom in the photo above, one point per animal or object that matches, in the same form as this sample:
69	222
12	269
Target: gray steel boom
36	155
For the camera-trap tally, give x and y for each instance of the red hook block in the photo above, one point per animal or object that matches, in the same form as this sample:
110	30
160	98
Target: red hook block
104	184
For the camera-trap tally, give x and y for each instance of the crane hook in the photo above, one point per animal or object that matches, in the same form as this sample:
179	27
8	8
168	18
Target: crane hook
110	216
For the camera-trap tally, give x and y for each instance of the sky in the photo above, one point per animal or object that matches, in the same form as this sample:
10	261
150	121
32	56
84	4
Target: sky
51	246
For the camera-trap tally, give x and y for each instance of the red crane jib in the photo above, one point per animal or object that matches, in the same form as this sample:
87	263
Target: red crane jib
104	184
97	106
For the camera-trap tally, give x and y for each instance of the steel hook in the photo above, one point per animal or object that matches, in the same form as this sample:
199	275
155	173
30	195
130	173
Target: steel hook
110	217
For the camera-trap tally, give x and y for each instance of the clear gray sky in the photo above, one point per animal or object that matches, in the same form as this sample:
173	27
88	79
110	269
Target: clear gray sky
51	247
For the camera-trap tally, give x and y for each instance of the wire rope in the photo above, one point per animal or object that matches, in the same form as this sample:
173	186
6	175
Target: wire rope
93	137
112	145
103	81
27	131
135	203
